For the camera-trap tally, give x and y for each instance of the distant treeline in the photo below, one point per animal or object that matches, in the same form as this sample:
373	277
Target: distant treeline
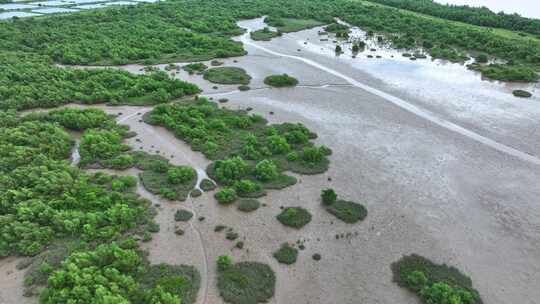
474	15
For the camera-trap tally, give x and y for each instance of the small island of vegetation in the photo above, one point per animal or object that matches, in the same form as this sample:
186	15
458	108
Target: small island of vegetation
227	75
280	81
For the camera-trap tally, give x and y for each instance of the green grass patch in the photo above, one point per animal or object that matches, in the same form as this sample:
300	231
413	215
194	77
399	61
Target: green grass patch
506	72
264	35
286	254
168	181
181	280
349	212
434	283
192	68
227	75
246	283
280	81
248	205
288	25
295	217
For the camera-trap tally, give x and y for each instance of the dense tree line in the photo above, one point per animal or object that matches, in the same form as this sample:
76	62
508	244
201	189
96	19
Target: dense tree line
482	16
121	35
195	30
189	28
30	81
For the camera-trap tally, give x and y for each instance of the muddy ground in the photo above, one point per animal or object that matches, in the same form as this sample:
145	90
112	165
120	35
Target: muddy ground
429	189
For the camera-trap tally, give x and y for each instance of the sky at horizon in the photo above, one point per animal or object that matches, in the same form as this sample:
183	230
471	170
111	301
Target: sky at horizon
527	8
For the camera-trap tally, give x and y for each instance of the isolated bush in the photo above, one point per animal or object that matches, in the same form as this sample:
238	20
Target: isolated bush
266	170
281	81
296	217
248	205
226	196
286	254
328	196
183	215
224	262
522	93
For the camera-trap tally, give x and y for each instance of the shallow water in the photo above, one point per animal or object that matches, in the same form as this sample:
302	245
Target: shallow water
16	6
54	10
8	15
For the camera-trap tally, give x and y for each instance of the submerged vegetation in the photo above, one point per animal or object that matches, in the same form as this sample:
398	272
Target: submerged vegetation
433	283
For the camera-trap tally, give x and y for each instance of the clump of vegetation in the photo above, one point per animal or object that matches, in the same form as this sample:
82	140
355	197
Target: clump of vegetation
288	25
349	212
434	283
85	86
226	196
286	254
227	75
248	205
168	181
481	58
245	282
248	152
133	279
195	193
183	215
506	72
207	185
295	217
279	81
521	93
336	27
182	281
244	88
264	35
33	159
328	196
338	49
248	188
193	68
231	235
